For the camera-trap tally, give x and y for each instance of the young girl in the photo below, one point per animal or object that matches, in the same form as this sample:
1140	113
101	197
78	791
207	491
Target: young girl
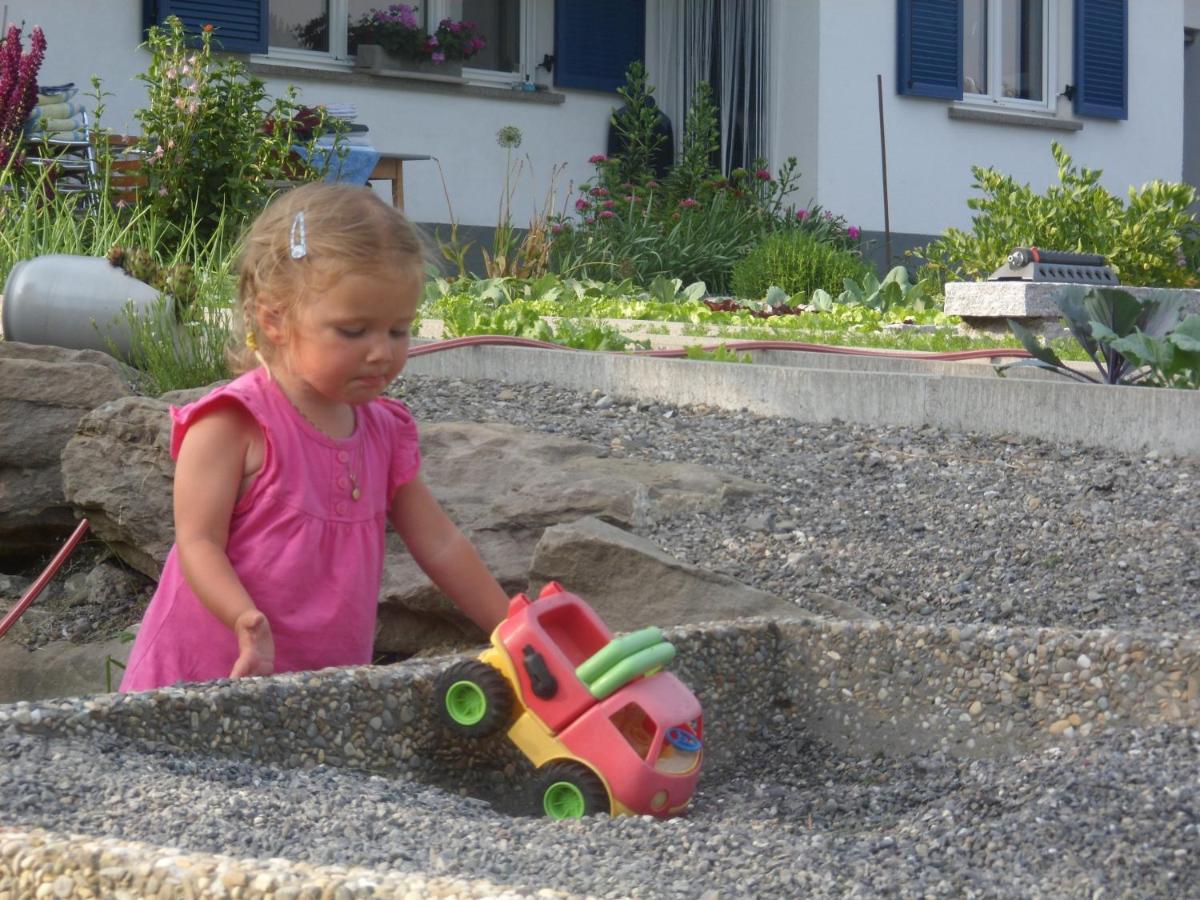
285	478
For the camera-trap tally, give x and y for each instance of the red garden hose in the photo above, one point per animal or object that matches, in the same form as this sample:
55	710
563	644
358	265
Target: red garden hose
509	341
44	579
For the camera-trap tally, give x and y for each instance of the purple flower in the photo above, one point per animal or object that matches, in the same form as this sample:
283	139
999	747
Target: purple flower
581	204
801	215
438	57
852	232
762	175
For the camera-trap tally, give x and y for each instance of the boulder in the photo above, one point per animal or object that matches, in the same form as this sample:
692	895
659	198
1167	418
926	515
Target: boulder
59	669
44	392
632	584
117	471
502	485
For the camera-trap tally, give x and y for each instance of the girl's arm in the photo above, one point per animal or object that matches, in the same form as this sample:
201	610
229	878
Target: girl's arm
446	556
208	478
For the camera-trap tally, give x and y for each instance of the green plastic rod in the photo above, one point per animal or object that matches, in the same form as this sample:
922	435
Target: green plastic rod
631	667
615	651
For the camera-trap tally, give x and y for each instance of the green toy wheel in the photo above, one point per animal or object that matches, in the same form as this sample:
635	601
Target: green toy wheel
474	699
569	790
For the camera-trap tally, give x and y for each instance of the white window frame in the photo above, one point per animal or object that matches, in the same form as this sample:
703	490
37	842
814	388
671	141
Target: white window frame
994	97
338	56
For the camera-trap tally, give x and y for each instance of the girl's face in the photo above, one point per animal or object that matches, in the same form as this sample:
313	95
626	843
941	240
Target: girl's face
347	343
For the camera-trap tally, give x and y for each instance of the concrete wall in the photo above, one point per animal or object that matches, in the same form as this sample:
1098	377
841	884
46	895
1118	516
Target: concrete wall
930	155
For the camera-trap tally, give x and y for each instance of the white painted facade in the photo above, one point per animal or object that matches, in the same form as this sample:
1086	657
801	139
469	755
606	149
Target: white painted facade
826	55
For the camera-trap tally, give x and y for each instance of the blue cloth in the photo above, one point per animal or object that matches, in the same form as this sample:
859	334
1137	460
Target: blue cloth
354	168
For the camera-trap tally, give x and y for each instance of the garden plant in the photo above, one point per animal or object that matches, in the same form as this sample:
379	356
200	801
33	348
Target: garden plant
1153	239
1130	341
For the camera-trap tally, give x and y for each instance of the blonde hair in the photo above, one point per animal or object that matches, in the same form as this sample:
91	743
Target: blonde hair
345	229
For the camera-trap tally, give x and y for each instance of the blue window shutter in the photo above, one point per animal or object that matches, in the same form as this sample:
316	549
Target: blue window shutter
595	42
239	26
1102	58
929	48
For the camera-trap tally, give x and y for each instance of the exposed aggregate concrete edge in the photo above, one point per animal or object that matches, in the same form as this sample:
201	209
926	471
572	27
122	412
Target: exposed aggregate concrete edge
868	687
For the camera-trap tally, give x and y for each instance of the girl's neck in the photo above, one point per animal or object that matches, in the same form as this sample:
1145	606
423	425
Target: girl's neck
331	418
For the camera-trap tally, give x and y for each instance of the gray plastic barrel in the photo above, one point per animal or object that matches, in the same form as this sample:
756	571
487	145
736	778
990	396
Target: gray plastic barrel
73	301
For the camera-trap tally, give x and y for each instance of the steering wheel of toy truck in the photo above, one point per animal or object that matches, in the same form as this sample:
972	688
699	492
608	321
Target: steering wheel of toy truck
682	739
474	699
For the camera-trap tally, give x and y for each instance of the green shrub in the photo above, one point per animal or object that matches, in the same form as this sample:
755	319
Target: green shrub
1151	240
799	263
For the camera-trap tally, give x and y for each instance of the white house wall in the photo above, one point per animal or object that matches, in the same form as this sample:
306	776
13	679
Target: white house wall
930	155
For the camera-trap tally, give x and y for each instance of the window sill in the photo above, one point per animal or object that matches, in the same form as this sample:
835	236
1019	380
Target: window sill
1011	117
438	84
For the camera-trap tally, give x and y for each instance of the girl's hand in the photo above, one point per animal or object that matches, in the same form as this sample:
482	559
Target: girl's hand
256	646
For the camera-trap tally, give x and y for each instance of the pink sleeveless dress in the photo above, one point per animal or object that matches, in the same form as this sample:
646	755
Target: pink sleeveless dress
310	555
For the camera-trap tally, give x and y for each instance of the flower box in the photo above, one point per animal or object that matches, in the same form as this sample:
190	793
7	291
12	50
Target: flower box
373	58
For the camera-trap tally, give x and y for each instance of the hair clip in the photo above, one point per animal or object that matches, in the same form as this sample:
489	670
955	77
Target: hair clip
298	239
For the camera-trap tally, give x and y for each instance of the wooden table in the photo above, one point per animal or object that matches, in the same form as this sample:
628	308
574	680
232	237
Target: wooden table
391	168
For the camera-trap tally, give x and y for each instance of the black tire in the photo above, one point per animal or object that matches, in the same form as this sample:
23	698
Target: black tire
488	692
585	792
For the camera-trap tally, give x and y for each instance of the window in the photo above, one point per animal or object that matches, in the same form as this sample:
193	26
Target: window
299	30
1002	52
1006	51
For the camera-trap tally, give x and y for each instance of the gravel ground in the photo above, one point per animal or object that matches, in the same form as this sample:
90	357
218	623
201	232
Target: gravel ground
909	525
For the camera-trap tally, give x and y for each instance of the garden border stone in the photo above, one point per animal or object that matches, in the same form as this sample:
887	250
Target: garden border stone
1128	419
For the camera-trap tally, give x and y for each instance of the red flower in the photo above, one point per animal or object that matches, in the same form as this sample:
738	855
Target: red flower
762	175
207	29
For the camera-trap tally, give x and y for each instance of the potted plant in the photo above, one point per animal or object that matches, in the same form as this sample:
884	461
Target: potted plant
393	38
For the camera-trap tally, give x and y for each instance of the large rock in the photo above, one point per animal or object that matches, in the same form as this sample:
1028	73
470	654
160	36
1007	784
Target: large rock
632	584
504	486
501	484
44	392
60	669
117	471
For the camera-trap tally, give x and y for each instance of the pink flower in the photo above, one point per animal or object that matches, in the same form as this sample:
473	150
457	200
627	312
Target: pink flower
599	192
158	151
688	203
581	204
556	228
801	215
438	57
597	158
852	232
632	198
762	175
652	184
590	220
609	204
607	213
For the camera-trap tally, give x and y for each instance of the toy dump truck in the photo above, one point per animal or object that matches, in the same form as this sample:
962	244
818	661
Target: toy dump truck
605	727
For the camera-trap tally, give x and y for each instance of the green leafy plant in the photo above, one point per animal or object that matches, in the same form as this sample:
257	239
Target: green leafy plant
1105	322
799	263
1151	240
212	138
1170	361
693	223
895	290
720	353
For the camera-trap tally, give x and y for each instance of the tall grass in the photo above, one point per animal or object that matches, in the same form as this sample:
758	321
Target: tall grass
173	349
